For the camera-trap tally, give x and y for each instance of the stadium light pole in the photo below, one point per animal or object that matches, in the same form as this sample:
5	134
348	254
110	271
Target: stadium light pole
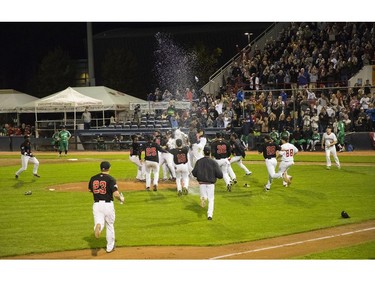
248	34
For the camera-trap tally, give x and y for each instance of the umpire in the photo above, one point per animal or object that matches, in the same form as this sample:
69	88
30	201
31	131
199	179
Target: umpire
207	171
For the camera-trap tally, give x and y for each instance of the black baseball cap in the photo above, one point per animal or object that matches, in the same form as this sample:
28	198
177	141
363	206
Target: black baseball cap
206	150
105	165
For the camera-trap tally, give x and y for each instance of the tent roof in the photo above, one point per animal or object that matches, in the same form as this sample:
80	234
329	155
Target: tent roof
68	98
11	99
112	99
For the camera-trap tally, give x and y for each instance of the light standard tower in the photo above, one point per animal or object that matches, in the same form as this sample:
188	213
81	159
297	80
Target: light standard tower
248	34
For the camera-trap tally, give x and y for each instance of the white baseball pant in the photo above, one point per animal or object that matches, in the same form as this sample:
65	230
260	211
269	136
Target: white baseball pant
271	167
104	214
140	167
182	174
238	161
207	192
329	150
151	167
224	166
25	159
167	159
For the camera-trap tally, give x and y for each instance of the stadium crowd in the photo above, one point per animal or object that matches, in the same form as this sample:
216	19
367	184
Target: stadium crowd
298	83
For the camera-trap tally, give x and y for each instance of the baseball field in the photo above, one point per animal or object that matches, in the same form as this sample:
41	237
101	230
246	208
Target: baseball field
302	221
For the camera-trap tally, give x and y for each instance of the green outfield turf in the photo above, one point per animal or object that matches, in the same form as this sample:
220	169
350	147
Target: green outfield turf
48	221
357	252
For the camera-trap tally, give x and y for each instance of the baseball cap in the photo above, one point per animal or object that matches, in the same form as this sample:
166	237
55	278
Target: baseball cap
105	165
206	150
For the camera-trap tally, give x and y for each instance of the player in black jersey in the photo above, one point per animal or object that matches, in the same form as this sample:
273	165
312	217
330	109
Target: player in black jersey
151	149
180	159
26	157
104	188
269	150
135	157
220	150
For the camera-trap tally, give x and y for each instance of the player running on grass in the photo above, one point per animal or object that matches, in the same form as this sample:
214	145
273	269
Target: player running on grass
286	154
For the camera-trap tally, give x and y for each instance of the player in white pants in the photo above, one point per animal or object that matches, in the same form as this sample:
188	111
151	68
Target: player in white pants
26	157
135	157
329	141
180	159
238	153
151	167
197	148
286	153
166	158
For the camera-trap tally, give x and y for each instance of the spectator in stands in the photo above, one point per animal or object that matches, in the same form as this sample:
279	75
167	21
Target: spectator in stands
188	95
303	78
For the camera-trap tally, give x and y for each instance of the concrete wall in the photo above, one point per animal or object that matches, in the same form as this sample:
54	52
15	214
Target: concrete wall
367	72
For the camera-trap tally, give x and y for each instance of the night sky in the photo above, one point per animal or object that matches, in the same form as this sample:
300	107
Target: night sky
23	45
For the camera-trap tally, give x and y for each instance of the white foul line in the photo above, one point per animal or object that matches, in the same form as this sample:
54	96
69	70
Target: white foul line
291	244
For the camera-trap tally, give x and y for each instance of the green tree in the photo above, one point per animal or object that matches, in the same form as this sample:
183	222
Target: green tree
206	62
119	70
55	73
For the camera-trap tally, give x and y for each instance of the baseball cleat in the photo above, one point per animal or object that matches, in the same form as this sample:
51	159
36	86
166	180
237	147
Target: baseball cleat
234	181
16	176
209	218
148	188
110	251
266	188
229	187
185	191
328	168
97	230
36	175
155	187
285	178
179	193
248	174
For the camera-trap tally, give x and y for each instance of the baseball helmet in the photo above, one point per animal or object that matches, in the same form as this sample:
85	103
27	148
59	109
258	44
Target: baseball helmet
206	150
344	215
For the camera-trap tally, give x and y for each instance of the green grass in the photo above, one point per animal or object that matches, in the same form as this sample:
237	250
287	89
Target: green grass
357	252
57	221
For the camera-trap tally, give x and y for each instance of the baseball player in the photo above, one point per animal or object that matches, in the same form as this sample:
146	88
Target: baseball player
135	157
197	148
269	150
180	159
104	188
220	150
26	157
341	135
166	158
286	154
152	150
238	153
56	140
207	171
329	141
64	137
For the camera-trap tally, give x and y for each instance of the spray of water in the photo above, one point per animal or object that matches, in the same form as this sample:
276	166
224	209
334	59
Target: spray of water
174	66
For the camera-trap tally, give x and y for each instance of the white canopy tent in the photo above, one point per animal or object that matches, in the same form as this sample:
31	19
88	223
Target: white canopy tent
11	99
67	100
112	99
